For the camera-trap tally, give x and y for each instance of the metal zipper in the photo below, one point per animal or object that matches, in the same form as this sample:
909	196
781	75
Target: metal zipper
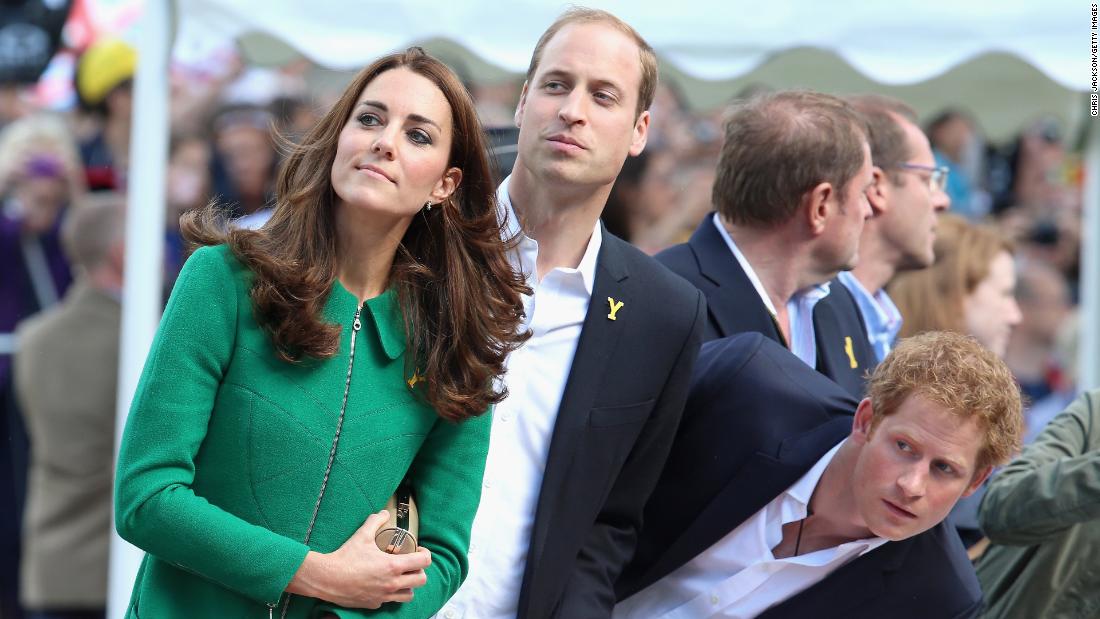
355	326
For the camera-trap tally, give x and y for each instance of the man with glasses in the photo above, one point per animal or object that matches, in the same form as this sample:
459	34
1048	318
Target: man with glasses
907	192
790	196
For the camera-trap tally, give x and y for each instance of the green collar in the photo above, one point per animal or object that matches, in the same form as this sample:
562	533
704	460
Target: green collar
384	312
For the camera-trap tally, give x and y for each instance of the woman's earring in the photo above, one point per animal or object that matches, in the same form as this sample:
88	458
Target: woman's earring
428	207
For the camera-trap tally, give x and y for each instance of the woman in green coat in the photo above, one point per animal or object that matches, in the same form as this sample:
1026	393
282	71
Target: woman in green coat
301	371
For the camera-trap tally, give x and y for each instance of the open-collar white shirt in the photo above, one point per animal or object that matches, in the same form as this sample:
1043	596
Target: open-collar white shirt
523	424
800	307
739	577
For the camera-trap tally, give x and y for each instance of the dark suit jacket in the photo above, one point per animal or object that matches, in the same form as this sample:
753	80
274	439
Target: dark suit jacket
733	306
756	420
618	415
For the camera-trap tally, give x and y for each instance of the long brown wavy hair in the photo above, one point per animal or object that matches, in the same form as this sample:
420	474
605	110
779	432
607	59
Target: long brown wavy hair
459	296
932	299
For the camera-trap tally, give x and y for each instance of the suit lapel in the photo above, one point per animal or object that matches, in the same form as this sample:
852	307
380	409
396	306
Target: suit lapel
754	485
832	360
732	301
591	362
840	346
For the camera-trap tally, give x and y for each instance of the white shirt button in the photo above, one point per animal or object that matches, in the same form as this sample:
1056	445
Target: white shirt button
449	613
714	599
488	484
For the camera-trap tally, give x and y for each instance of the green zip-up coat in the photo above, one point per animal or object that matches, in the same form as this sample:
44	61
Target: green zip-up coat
226	447
1042	515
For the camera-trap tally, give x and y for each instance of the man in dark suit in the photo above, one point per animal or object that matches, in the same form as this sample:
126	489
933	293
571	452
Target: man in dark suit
790	199
596	393
776	502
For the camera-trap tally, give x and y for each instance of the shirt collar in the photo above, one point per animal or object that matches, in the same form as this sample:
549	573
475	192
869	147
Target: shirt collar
878	308
383	313
803	489
511	229
506	215
811	293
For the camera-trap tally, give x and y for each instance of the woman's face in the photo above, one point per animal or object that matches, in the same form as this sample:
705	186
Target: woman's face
41	200
392	154
991	310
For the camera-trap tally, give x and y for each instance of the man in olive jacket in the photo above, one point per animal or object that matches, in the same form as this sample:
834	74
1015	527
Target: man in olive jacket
1042	513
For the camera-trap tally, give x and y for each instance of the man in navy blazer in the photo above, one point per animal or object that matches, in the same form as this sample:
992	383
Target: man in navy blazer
776	502
596	393
790	196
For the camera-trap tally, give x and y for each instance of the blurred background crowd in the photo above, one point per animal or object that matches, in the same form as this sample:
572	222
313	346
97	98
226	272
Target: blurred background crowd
65	136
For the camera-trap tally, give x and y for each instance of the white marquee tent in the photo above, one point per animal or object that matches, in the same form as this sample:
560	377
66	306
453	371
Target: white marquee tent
900	42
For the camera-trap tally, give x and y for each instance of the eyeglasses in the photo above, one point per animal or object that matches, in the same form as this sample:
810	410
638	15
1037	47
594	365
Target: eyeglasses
937	175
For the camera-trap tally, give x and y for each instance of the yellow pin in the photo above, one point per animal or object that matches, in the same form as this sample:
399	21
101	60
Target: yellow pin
851	352
416	378
615	307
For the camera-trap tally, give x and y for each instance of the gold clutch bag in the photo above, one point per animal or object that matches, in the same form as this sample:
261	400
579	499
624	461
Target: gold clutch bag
399	534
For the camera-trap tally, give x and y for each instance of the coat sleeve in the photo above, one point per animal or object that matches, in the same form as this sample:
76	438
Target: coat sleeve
156	508
589	592
1053	485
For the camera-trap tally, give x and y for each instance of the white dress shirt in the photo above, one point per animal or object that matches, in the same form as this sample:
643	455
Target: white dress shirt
739	577
800	307
522	426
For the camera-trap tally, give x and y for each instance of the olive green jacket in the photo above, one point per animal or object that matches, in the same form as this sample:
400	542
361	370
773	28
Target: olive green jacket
1042	513
226	447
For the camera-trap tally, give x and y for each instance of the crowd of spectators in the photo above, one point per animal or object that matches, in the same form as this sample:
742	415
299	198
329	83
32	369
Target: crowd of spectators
225	146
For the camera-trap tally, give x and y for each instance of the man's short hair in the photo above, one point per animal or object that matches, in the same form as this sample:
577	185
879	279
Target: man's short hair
780	145
884	131
92	227
955	372
583	15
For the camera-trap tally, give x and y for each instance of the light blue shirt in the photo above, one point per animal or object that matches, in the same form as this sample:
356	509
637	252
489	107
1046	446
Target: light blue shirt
880	315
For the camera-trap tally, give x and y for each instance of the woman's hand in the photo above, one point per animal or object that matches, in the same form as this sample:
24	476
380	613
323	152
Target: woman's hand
358	574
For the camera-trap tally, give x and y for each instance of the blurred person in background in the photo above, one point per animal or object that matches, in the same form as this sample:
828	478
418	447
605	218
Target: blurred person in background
293	117
1064	382
970	289
40	176
907	193
781	232
1039	170
1042	516
104	87
619	216
674	189
189	186
958	146
1055	241
1043	297
245	160
675	196
66	374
